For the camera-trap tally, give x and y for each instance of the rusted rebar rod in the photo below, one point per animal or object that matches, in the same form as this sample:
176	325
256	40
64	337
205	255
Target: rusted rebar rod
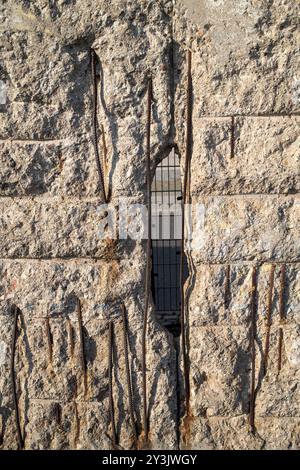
49	339
82	346
77	425
110	383
16	313
95	125
227	287
232	139
128	375
71	337
281	315
188	143
148	260
269	318
252	348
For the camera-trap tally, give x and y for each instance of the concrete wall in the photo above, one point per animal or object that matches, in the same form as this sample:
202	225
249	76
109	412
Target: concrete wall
244	175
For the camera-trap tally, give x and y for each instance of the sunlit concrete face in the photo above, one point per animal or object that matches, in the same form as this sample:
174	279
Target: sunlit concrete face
243	187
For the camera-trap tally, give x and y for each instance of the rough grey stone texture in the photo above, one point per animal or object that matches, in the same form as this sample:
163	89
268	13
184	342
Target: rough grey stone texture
244	174
246	228
246	156
49	289
245	55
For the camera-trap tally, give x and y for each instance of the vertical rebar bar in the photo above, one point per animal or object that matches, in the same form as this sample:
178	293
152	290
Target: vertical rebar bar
232	138
71	337
269	317
95	125
252	348
148	261
281	315
49	339
110	383
188	142
77	424
227	287
82	346
16	313
128	375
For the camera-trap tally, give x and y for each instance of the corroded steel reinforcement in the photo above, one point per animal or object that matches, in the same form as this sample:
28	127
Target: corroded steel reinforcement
148	261
49	339
268	317
82	348
188	143
94	126
16	313
110	383
128	375
281	314
232	138
227	287
252	348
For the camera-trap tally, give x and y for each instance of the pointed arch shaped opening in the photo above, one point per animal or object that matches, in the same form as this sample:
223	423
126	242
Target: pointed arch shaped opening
166	220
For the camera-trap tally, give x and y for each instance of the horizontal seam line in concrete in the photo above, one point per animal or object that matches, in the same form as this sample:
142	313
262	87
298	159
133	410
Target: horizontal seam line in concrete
55	259
34	141
105	260
246	324
263	115
66	198
246	416
62	198
257	262
214	417
244	195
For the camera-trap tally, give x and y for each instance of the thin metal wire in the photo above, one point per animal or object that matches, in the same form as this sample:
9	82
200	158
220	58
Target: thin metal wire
268	317
82	346
281	315
252	348
95	135
128	375
148	262
110	384
188	143
16	313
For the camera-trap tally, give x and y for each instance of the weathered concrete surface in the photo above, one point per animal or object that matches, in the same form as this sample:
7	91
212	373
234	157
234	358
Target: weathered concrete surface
244	173
245	228
249	155
49	289
245	55
220	360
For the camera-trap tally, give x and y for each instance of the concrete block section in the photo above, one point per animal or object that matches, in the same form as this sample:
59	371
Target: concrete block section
53	167
234	434
246	155
67	425
219	371
55	228
222	295
244	55
236	228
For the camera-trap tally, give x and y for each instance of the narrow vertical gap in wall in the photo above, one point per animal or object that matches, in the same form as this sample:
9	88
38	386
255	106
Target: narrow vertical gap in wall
166	242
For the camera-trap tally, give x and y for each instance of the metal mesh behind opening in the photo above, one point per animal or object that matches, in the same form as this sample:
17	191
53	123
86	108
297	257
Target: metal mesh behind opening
166	242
